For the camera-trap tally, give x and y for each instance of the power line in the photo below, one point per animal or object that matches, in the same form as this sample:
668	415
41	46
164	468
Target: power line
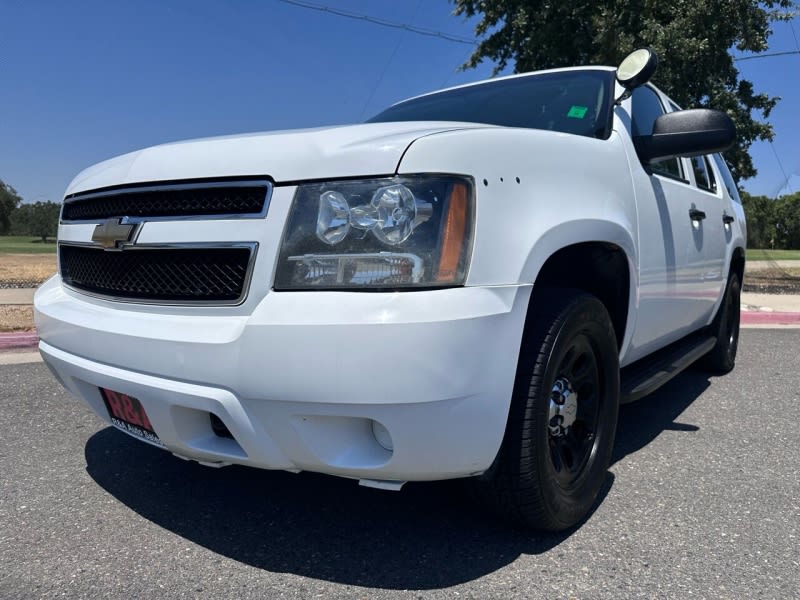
767	55
454	38
794	35
385	23
386	66
785	183
783	171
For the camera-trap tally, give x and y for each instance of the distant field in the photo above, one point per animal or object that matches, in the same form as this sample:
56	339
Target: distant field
763	254
20	244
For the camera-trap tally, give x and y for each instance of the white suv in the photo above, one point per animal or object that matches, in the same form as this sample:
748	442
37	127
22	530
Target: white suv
467	285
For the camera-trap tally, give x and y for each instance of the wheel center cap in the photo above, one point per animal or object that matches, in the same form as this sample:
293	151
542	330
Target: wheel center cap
563	407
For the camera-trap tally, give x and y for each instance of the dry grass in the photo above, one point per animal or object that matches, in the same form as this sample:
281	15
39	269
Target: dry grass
22	270
32	268
15	317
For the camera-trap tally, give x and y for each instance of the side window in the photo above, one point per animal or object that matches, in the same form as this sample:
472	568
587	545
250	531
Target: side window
727	178
703	174
646	109
712	180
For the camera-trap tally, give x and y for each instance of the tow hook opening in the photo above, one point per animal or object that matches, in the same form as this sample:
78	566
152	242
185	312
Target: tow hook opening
218	427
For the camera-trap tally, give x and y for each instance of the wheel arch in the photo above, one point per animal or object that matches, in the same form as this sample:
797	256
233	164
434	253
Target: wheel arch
602	264
737	262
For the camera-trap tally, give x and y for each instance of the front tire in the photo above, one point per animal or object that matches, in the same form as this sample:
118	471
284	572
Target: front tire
561	425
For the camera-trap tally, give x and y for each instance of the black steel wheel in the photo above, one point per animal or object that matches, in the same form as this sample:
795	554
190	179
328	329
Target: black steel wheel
722	357
561	424
572	425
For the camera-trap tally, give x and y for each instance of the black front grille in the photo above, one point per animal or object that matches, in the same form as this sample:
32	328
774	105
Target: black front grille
170	200
177	275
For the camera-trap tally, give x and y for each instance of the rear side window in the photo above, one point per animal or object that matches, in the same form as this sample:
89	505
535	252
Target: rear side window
727	178
647	108
703	174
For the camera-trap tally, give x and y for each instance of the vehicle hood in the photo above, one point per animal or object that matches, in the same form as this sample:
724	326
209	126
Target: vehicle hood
285	156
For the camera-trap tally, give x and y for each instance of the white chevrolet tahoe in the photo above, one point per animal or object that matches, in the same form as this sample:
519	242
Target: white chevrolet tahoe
467	285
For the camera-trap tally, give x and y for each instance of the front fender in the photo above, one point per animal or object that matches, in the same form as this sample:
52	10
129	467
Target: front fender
536	192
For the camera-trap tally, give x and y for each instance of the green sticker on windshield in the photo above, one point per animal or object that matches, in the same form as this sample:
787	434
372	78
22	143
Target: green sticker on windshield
577	112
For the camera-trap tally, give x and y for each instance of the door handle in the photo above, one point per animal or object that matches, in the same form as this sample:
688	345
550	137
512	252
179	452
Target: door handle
727	219
696	215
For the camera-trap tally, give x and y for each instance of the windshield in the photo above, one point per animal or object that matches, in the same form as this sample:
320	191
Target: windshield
568	101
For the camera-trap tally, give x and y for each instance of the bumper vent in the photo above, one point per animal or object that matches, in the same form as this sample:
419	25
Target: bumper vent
174	200
175	275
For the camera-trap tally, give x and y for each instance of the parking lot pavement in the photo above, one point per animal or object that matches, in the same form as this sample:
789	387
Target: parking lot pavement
702	500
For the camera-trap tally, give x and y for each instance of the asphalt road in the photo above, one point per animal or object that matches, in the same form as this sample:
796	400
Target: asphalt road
702	501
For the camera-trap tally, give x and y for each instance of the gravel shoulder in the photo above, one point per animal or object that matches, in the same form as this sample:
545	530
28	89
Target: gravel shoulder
772	277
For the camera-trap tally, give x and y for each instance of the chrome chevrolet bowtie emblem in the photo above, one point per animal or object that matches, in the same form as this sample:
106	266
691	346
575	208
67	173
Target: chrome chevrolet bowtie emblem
112	233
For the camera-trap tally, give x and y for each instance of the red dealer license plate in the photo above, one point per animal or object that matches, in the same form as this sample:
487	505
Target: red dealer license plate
128	414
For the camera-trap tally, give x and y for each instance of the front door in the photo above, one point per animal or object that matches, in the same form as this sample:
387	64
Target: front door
672	239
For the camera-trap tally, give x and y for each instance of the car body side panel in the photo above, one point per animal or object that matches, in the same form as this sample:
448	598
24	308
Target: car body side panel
536	192
677	293
735	233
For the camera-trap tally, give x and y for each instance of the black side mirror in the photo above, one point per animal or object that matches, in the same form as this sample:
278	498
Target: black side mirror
687	133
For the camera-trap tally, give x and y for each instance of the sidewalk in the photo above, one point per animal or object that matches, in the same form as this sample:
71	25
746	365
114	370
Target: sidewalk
771	302
769	310
758	310
17	296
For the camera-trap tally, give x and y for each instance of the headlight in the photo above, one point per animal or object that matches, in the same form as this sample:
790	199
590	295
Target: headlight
387	233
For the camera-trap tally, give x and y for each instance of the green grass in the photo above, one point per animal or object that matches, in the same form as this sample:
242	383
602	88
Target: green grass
764	254
21	244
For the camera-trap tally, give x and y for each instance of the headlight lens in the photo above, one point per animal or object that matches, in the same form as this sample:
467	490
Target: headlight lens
390	233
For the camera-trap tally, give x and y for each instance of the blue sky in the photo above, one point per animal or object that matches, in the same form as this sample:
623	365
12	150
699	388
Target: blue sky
86	80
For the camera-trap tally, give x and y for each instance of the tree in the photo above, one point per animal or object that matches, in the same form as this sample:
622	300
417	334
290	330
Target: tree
9	200
772	223
692	40
760	212
787	221
20	220
39	219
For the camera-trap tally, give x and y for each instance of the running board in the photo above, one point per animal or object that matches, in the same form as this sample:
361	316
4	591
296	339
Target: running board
650	373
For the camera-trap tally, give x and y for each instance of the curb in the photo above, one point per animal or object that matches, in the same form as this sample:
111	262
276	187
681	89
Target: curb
750	317
17	341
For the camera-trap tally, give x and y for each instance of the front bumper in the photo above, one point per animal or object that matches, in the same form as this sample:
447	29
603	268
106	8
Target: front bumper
300	380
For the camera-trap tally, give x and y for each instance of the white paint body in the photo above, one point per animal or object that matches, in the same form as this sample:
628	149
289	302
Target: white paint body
298	377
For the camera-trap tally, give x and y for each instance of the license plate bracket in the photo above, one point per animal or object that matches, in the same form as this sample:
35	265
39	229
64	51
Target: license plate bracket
128	414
